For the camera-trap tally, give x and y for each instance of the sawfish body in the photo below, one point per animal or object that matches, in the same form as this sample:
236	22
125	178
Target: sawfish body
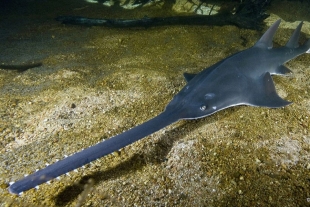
241	79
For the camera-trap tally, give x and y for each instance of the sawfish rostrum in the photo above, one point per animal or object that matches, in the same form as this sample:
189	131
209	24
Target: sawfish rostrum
241	79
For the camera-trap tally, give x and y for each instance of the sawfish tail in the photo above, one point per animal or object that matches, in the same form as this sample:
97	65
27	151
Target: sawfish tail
94	152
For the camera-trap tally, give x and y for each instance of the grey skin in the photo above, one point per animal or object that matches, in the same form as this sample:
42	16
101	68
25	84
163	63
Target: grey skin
241	79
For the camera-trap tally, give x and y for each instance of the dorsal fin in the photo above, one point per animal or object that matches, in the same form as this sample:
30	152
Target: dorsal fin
293	41
266	40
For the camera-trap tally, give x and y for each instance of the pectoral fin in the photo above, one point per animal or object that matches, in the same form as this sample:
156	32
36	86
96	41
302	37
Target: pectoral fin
265	94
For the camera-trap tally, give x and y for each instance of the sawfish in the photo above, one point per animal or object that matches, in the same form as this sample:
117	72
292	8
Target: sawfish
243	78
